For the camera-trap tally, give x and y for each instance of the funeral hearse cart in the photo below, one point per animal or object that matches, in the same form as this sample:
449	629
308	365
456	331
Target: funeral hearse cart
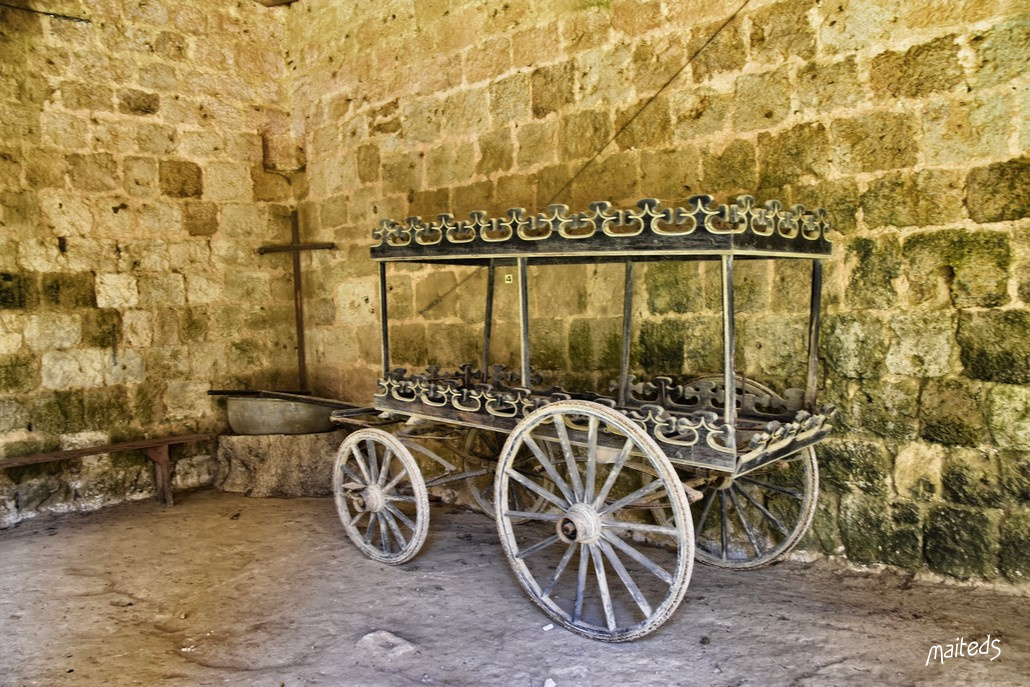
604	499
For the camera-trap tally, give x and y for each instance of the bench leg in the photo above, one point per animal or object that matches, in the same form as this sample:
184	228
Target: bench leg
162	472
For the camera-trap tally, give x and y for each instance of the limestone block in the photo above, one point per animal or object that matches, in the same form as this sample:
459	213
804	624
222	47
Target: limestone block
116	291
822	86
40	255
74	369
11	328
995	345
873	142
509	102
999	192
536	145
730	170
180	179
1015	546
239	219
957	130
1009	408
962	542
922	345
496	152
951	412
277	465
162	290
919	71
651	126
782	31
188	400
1001	54
979	267
970	478
917	470
204	288
726	52
136	328
52	331
127	367
792	155
466	112
13	415
604	81
761	101
66	215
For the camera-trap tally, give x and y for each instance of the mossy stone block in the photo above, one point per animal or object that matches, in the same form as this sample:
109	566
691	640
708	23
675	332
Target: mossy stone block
854	345
840	198
661	346
1015	474
181	179
107	408
1015	546
69	289
102	327
674	287
906	199
969	479
849	465
731	170
864	525
877	262
962	542
1001	52
1009	415
408	345
919	71
874	142
782	31
999	192
951	412
552	88
824	533
887	408
12	291
787	157
18	373
13	415
922	344
972	267
200	218
595	344
61	412
995	345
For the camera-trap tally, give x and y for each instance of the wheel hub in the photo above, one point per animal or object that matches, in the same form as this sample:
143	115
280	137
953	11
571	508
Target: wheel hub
581	524
370	499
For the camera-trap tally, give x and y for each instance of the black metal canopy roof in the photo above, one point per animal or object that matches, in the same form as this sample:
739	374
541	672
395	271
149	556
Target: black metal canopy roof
650	231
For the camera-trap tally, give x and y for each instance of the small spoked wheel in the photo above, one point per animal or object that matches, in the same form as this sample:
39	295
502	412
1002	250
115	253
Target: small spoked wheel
610	554
380	496
758	517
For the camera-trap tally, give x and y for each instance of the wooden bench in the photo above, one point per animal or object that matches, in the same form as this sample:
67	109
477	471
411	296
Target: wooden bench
154	449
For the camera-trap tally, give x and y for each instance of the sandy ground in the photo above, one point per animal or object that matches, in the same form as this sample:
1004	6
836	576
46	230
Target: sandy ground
226	590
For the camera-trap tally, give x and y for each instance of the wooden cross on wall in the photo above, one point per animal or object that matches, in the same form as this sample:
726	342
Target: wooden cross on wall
295	247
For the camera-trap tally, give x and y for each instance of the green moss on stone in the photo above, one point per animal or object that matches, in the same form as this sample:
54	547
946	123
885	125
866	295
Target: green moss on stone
1015	474
877	264
847	465
674	287
661	346
972	265
59	413
999	192
864	527
971	484
69	289
1015	546
18	373
824	533
12	291
193	325
951	413
961	542
855	345
101	328
107	408
995	345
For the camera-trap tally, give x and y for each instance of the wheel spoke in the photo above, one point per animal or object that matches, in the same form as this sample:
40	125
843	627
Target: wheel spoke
602	585
384	538
359	458
535	488
400	499
765	485
373	461
370	529
626	500
640	558
762	509
397	534
613	474
581	585
640	527
539	546
525	515
384	469
350	473
704	511
563	487
725	525
747	526
399	514
388	487
627	579
562	564
591	472
570	458
354	520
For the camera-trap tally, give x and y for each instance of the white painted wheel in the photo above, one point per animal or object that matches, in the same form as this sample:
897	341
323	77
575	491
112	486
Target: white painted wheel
380	496
757	518
482	448
610	555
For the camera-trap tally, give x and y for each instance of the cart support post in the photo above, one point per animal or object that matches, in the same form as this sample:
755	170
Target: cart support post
729	378
384	330
812	382
627	334
488	319
524	321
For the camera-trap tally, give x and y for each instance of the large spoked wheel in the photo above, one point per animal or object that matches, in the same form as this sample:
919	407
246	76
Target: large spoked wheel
380	496
610	555
482	448
757	518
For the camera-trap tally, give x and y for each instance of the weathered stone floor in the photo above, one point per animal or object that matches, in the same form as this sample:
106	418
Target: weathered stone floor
226	590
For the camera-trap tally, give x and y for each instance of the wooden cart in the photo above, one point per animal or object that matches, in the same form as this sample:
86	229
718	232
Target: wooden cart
592	493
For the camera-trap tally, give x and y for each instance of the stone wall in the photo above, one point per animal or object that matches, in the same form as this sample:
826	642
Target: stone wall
144	156
906	119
